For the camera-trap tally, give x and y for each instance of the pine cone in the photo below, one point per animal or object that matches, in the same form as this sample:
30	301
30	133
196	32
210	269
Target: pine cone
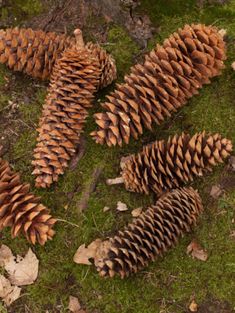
32	52
76	77
164	165
148	236
171	74
107	64
21	210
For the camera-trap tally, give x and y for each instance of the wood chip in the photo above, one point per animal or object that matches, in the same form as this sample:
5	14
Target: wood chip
121	207
106	209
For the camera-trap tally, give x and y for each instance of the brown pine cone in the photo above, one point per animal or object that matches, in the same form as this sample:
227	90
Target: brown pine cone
76	77
163	165
150	235
21	210
32	52
107	64
171	74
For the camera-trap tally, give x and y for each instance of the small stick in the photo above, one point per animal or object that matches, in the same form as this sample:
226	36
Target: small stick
67	222
115	181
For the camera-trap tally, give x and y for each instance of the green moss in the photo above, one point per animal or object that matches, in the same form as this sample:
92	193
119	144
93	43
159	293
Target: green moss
20	10
122	47
176	277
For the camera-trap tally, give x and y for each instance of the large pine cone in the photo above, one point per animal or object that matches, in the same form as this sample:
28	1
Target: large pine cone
32	52
163	165
150	235
21	210
171	74
77	75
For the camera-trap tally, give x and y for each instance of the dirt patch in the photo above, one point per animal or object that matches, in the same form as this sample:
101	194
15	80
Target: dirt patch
94	17
83	203
215	306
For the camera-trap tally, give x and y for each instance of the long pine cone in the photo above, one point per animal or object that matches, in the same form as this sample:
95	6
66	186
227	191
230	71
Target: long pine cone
33	52
171	74
21	210
77	75
150	235
163	165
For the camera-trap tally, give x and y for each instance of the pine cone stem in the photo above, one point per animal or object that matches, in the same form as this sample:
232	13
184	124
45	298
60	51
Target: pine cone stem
79	39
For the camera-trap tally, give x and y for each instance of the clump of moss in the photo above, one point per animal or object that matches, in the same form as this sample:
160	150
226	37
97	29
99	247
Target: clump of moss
122	47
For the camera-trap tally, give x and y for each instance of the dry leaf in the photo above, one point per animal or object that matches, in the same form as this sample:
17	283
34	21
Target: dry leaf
231	160
233	66
5	255
193	307
8	293
23	271
83	254
121	206
136	212
216	191
197	251
74	305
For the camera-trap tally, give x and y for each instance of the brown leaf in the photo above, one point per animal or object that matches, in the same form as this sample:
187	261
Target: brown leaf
5	255
23	271
216	191
193	307
8	293
196	251
83	254
74	305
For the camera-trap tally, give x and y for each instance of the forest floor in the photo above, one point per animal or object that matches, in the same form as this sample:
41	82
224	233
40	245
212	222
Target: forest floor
169	284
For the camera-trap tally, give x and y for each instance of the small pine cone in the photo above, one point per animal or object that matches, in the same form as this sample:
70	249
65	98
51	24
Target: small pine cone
164	165
150	235
171	74
21	210
107	64
32	52
75	79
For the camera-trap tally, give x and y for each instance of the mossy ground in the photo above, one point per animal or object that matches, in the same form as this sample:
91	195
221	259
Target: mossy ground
166	285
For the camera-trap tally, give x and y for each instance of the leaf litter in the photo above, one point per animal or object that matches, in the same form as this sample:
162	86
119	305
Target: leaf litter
21	271
196	251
